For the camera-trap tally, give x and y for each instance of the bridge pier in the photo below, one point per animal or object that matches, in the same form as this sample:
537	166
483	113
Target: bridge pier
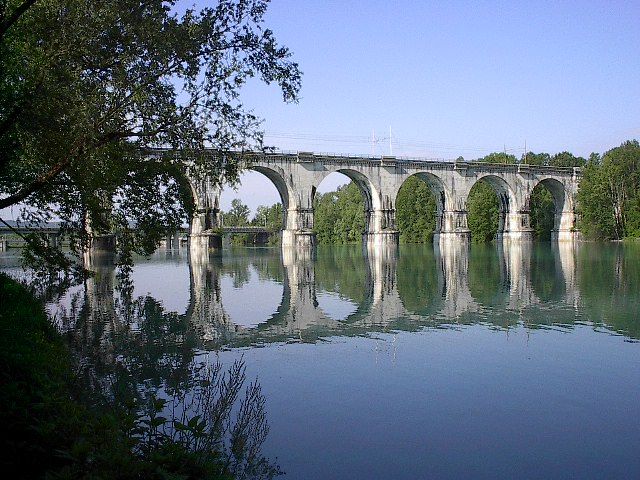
298	238
299	228
103	243
206	240
565	229
453	258
516	257
299	287
452	227
517	227
202	234
172	242
383	239
380	230
101	250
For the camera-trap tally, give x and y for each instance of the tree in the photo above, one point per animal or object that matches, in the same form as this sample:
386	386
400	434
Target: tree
339	215
269	217
415	212
536	158
608	199
542	212
498	157
566	159
87	85
484	212
238	215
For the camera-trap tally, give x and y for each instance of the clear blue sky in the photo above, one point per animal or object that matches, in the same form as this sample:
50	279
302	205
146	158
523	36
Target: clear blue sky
452	78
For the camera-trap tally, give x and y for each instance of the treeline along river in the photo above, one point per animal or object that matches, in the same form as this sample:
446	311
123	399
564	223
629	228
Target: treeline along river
489	361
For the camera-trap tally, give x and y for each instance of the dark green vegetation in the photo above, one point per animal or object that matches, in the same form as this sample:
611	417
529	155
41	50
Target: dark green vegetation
609	195
416	212
339	216
85	85
73	409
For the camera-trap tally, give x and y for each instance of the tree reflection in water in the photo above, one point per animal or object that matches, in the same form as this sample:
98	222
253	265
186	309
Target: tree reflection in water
142	363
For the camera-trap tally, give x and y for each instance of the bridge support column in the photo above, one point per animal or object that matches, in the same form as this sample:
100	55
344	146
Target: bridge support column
565	230
453	228
103	243
206	240
203	225
172	242
382	265
517	261
299	228
517	227
381	228
299	287
101	250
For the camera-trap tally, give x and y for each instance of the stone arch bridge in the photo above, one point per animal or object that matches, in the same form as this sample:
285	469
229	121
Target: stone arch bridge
298	175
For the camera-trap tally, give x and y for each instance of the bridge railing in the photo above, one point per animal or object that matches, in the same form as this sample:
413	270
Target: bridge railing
310	157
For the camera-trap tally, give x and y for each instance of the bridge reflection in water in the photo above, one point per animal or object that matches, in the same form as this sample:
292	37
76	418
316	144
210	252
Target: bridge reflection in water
420	286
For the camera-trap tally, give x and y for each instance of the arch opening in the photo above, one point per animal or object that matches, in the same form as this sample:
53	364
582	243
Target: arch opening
342	205
546	203
257	203
420	203
489	203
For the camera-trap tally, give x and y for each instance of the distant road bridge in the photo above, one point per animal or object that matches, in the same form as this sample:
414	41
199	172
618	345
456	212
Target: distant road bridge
246	229
298	175
52	232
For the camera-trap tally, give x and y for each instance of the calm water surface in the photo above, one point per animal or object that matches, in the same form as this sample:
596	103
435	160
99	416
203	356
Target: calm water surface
494	362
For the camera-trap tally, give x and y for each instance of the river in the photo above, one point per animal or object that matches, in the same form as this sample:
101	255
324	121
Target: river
494	361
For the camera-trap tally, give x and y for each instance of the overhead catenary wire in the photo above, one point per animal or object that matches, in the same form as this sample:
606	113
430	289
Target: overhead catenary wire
394	142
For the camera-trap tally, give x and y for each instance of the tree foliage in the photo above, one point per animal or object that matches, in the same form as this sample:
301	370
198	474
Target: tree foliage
483	212
339	215
238	214
415	211
608	196
86	85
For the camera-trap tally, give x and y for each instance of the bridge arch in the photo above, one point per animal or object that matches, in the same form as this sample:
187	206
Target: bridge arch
508	203
441	194
370	193
277	177
562	202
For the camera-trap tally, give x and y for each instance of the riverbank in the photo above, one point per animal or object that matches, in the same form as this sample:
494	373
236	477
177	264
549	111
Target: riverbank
57	427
